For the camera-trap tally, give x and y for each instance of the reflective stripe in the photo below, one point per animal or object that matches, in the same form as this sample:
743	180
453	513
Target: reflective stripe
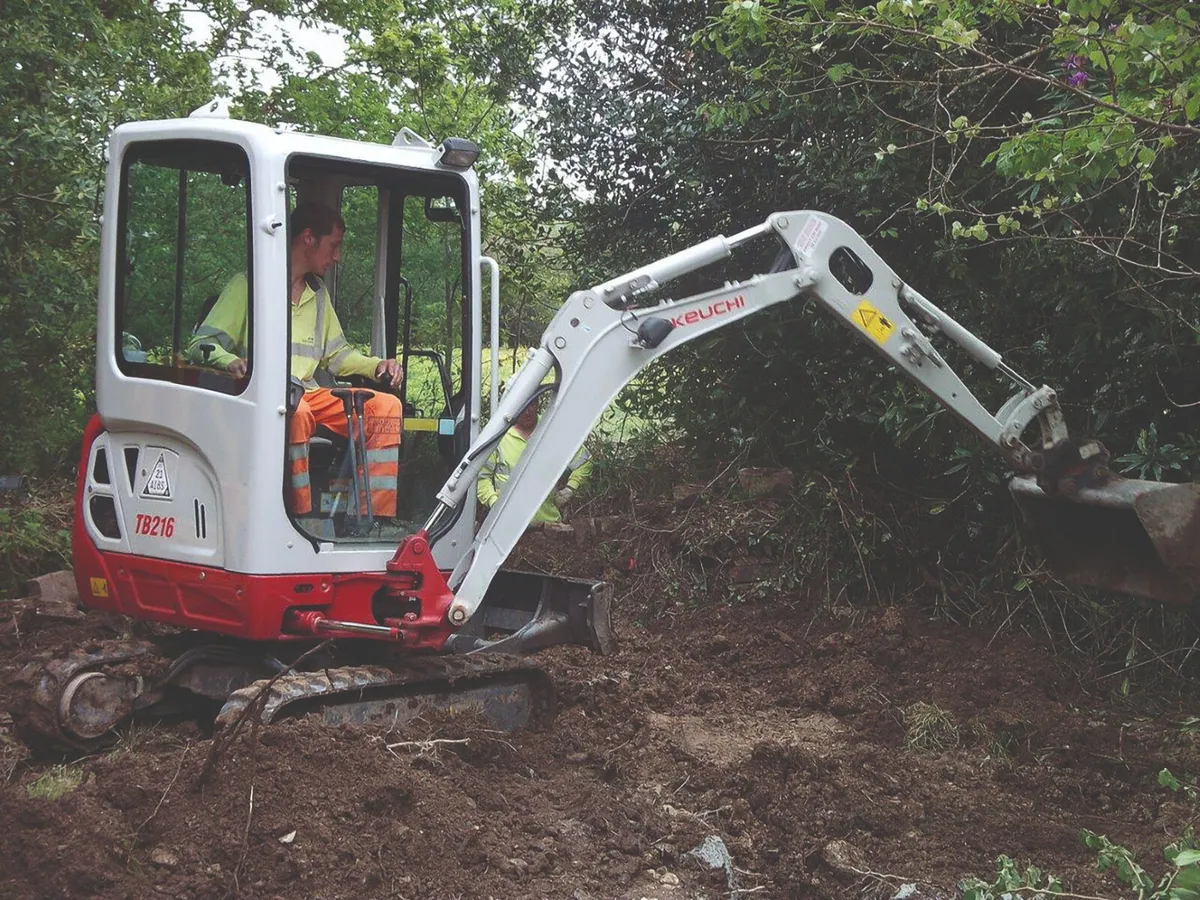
580	458
336	344
300	480
308	352
297	451
219	336
383	455
322	300
383	483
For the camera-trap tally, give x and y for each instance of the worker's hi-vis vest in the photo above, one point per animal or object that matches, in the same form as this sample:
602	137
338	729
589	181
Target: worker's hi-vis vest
317	336
498	468
318	339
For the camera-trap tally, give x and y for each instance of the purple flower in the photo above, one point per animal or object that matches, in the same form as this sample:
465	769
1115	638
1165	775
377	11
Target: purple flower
1074	62
1077	79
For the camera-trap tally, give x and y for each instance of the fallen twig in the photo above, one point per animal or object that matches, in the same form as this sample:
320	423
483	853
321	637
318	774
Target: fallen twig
255	706
245	841
424	746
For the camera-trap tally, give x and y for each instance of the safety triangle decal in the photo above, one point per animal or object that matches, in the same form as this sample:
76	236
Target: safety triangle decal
158	485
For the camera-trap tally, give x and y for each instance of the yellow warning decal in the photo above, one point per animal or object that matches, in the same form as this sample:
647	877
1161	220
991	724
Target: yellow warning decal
873	322
99	587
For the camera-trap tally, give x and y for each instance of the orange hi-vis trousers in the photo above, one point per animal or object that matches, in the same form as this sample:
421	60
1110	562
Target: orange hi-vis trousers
382	432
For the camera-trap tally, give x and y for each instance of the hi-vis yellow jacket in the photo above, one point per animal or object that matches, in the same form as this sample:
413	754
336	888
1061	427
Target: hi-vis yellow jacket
499	466
317	336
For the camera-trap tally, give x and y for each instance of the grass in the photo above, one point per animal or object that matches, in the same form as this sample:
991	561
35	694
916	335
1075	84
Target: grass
35	534
12	754
929	729
55	783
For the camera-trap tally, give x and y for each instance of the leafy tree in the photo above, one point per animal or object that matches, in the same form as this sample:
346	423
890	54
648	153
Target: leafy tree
438	68
686	119
60	96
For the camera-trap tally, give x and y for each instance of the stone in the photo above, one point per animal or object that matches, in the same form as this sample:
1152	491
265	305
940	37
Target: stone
54	587
759	482
687	494
844	857
161	856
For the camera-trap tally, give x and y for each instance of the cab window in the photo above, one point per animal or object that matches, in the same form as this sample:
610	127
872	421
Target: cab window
183	261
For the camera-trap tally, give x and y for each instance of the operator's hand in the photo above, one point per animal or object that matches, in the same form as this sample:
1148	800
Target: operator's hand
390	373
563	497
237	368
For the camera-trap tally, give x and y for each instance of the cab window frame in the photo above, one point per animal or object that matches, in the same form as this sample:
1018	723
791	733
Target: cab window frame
179	155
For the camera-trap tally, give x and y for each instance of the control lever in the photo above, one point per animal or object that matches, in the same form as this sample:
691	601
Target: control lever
354	403
360	411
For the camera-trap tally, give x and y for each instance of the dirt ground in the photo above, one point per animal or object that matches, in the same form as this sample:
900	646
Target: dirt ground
754	750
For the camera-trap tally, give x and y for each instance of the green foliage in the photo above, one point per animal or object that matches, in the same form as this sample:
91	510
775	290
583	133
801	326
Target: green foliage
55	783
687	119
1186	785
35	538
1011	882
1181	882
435	67
61	98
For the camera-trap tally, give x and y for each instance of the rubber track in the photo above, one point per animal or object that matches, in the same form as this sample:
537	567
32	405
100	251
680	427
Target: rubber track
429	675
41	685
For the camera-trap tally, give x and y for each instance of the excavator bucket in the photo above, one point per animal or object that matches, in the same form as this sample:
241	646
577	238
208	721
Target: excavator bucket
1134	537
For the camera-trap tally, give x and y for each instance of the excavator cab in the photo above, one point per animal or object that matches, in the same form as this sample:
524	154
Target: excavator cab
406	288
182	503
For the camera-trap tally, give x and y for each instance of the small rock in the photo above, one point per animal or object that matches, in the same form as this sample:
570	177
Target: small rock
669	879
844	857
160	856
687	494
765	482
577	758
55	587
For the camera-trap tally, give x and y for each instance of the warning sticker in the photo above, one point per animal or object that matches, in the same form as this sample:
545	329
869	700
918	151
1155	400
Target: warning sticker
873	322
99	587
810	234
158	485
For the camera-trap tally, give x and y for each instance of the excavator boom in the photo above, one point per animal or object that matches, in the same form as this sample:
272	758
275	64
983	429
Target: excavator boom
602	337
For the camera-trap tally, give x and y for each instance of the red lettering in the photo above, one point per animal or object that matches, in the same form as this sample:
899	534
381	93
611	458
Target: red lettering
719	308
154	526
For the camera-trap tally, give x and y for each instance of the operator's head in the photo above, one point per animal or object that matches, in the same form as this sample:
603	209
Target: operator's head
316	232
528	417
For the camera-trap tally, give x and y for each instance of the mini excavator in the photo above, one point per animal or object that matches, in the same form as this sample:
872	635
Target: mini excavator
181	521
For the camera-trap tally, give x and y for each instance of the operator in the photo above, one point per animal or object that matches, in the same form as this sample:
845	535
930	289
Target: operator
316	232
499	466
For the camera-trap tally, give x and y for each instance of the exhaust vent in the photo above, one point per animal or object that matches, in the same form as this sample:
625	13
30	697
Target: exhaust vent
201	520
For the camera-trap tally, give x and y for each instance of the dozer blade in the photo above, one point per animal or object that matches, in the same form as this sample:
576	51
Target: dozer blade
1135	537
526	612
507	692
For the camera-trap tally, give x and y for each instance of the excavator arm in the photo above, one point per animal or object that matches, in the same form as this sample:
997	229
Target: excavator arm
604	336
